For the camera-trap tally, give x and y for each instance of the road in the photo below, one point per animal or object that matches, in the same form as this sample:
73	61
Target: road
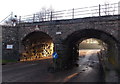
87	71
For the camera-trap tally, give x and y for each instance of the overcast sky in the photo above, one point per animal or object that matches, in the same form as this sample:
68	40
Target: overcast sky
26	7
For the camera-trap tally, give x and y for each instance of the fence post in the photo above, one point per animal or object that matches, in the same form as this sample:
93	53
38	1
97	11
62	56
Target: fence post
99	10
51	16
33	17
11	15
73	13
19	19
45	16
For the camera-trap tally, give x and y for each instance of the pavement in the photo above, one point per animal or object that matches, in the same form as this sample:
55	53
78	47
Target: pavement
37	71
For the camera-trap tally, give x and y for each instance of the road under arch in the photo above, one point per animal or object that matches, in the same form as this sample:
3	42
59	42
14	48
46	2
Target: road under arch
109	60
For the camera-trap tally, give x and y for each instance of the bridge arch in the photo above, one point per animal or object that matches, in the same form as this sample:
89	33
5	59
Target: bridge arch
72	41
27	31
88	33
36	45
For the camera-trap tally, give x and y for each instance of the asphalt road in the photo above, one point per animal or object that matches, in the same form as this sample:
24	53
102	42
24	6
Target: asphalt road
87	71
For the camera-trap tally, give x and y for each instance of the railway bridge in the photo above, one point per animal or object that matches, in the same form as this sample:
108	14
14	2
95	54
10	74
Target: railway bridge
63	37
41	37
38	39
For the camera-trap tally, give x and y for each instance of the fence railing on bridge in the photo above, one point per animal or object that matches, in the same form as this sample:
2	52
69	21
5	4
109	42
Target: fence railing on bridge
93	11
100	10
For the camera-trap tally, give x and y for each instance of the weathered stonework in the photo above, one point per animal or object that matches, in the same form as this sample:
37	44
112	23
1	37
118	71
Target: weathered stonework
108	29
0	42
10	37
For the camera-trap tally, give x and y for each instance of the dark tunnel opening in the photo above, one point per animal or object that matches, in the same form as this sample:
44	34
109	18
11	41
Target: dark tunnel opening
36	46
91	53
89	46
88	58
85	60
107	47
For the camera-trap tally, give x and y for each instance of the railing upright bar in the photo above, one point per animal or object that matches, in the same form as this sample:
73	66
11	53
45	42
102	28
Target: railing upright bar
33	17
99	10
45	15
19	19
51	16
73	13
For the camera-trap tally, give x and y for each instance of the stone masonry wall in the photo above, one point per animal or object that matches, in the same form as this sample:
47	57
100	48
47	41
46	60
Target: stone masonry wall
106	24
10	37
14	35
1	51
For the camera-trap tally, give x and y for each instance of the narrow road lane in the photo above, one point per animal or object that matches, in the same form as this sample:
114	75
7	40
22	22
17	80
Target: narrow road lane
88	71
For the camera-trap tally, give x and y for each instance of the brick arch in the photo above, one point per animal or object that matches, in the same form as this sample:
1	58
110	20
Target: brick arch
43	34
109	33
31	30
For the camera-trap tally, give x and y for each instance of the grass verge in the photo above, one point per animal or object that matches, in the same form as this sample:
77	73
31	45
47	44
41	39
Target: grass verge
4	62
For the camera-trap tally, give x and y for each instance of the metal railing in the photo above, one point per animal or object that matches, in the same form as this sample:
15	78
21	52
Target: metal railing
100	10
6	18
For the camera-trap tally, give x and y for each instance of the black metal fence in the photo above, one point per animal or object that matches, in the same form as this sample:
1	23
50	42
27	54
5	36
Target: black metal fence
100	10
93	11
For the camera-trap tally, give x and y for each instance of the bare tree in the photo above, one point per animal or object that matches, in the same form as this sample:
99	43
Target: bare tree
106	9
45	14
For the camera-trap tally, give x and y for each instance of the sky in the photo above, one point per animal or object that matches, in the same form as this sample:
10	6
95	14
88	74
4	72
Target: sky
26	7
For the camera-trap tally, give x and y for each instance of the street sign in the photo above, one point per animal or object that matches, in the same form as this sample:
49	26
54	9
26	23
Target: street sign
58	33
9	47
55	55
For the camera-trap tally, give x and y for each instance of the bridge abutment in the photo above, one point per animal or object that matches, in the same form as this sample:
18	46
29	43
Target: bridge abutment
10	43
60	31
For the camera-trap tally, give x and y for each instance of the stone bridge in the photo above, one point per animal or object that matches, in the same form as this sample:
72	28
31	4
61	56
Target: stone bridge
65	35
